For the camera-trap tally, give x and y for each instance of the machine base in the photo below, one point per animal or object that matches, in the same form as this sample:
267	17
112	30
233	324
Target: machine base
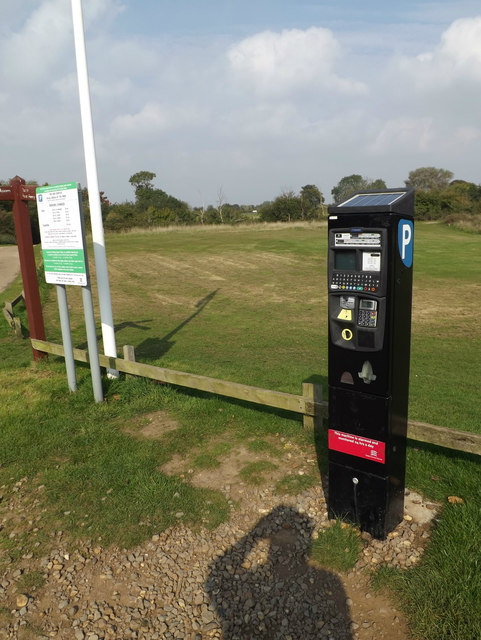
373	502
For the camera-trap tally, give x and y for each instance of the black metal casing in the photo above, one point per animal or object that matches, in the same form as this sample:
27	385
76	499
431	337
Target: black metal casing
369	365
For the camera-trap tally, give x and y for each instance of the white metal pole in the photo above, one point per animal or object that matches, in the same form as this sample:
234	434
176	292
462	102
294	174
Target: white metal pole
106	317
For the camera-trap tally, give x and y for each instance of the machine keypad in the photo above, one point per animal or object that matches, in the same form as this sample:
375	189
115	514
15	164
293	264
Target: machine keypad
354	281
367	318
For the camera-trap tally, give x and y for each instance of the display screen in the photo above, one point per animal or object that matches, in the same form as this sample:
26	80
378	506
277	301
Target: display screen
371	261
368	304
345	260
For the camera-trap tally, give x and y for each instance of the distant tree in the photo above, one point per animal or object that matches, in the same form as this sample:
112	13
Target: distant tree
468	193
211	215
236	213
104	205
429	179
284	208
355	182
153	217
427	204
121	216
459	197
142	180
376	184
199	214
311	201
149	200
7	226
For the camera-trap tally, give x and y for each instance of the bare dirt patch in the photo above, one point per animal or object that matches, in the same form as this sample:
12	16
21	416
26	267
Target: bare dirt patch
152	425
226	476
286	459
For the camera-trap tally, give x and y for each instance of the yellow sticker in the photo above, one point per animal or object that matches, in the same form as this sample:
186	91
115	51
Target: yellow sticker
347	334
345	314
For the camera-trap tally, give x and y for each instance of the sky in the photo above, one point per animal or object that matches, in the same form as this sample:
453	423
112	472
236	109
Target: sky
242	100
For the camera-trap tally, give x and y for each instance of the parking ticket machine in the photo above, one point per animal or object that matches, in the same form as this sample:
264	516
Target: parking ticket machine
370	255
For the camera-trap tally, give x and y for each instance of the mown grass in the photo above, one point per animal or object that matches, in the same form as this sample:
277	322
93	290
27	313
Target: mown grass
254	472
209	459
31	581
443	595
337	547
98	482
247	305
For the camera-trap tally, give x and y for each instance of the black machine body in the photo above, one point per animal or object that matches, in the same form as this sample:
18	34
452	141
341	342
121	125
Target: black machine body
370	254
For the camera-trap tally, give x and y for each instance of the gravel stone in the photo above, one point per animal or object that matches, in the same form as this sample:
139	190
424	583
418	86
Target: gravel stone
249	578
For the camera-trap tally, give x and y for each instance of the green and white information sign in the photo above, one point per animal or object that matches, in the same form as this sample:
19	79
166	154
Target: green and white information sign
59	215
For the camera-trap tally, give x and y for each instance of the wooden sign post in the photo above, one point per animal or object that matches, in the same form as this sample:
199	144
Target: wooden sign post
20	193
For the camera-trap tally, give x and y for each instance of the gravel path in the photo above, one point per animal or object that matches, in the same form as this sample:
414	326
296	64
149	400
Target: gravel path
250	578
9	265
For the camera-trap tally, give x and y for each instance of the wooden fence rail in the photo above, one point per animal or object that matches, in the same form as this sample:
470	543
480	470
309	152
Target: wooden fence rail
8	310
12	319
310	404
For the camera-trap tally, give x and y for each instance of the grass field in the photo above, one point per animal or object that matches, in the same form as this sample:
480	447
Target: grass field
247	305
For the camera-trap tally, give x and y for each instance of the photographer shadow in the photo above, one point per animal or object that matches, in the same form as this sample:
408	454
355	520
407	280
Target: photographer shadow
264	587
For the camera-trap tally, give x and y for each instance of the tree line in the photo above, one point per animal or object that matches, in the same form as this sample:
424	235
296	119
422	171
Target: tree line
437	196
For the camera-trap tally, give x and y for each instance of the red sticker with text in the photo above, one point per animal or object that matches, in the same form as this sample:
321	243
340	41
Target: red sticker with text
357	446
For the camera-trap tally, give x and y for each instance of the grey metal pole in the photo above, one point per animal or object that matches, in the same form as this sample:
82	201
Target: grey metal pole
92	343
89	316
66	336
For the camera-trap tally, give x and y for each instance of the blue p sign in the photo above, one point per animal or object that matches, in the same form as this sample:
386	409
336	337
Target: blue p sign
405	241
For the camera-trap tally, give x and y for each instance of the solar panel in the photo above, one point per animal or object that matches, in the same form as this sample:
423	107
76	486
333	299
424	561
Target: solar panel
372	199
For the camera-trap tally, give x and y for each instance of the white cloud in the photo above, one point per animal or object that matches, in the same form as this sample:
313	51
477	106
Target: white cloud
407	133
285	107
432	107
34	52
457	57
256	122
467	136
153	120
461	44
278	63
99	12
43	48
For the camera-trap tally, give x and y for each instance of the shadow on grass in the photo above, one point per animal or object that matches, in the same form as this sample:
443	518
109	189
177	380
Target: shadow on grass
448	454
118	327
244	404
154	348
320	434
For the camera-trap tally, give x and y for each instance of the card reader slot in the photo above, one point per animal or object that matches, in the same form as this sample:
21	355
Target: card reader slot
356	322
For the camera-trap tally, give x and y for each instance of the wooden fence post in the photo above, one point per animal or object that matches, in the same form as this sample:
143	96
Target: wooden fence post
312	394
17	327
129	354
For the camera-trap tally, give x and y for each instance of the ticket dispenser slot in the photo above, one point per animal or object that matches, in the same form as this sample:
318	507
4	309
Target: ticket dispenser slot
370	254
